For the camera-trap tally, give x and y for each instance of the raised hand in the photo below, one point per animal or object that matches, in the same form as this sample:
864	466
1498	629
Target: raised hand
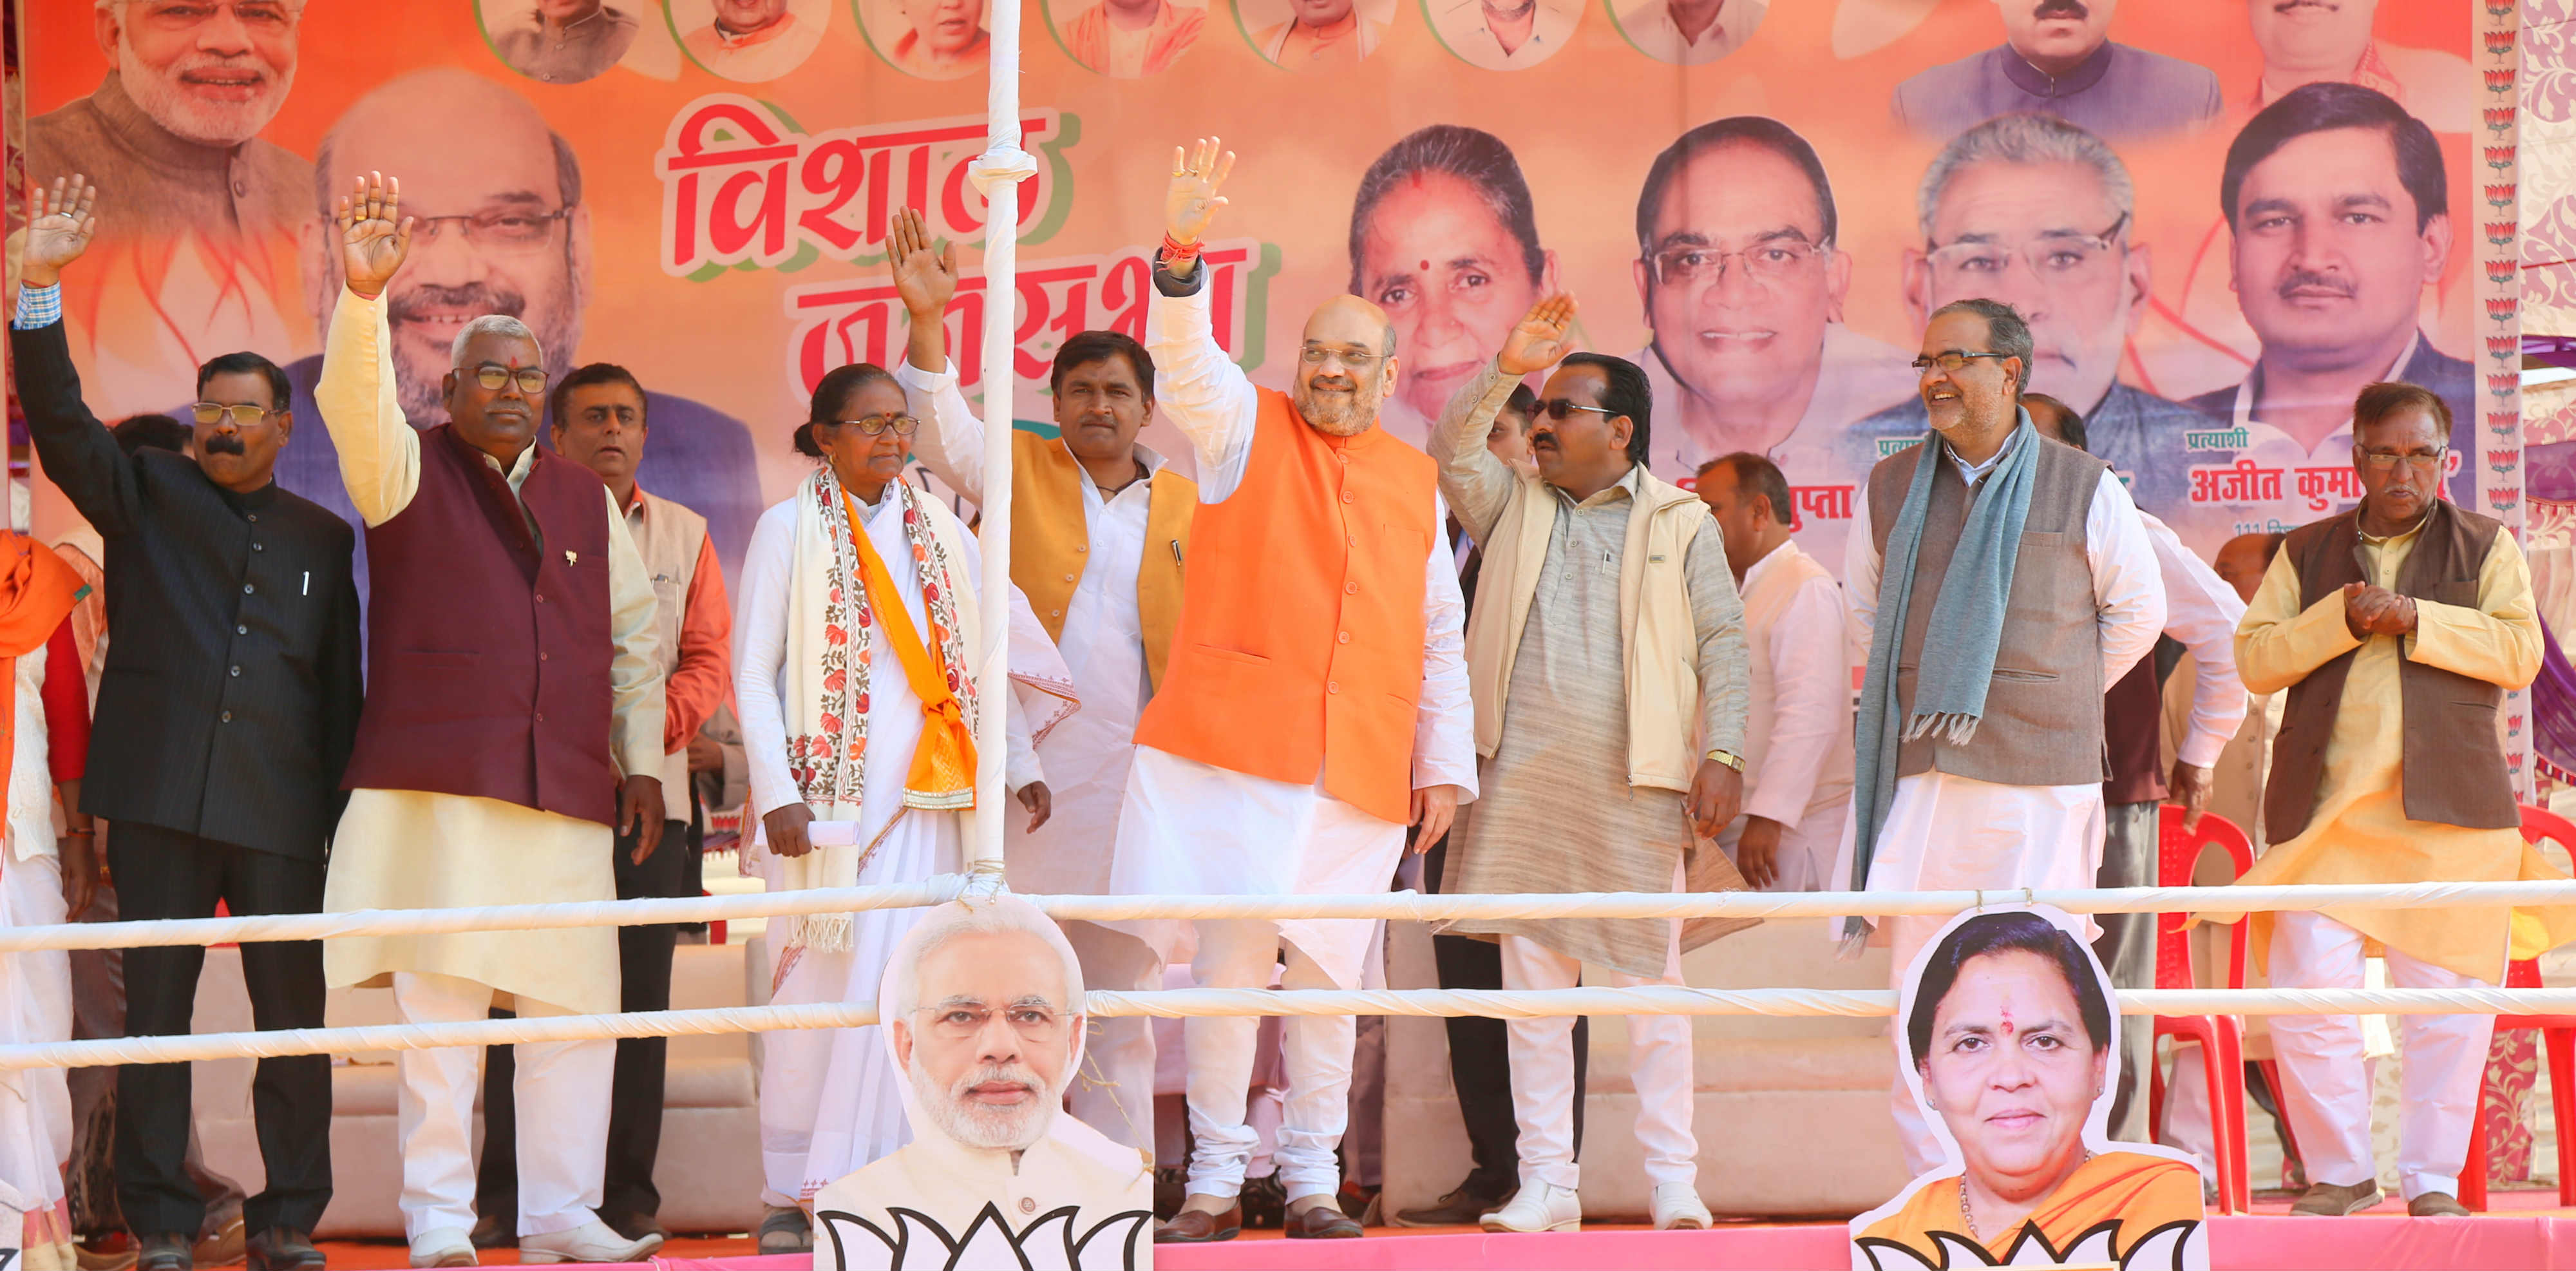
1197	174
374	235
1538	342
926	276
59	226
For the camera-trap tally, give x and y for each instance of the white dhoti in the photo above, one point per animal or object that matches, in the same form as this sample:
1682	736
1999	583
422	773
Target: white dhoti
1542	1057
830	1101
35	1007
2327	1094
1191	829
1949	833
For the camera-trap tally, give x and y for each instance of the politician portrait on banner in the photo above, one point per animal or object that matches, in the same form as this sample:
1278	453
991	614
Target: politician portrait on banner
750	41
1743	280
1126	39
560	41
1503	35
1311	35
2011	1036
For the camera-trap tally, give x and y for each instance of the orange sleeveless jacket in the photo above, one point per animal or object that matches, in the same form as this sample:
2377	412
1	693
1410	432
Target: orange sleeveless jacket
1301	633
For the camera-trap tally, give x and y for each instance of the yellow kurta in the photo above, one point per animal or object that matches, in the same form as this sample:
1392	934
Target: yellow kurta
2359	832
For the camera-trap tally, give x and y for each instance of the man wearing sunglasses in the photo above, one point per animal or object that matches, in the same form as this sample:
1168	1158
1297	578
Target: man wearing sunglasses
2001	582
513	728
1607	668
2396	628
224	721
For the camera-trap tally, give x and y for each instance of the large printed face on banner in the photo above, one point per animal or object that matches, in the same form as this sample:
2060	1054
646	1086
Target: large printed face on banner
2013	1041
984	1026
2220	225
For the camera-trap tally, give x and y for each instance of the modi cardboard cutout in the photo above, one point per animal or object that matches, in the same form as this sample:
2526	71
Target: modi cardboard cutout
2012	1043
982	1007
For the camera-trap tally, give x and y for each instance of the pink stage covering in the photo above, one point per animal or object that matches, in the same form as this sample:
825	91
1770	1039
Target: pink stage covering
2501	1242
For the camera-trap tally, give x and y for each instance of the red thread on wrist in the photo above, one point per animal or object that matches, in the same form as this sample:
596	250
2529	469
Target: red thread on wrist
1175	251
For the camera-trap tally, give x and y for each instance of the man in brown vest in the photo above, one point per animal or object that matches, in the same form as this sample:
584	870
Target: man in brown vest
1316	702
597	419
2004	581
2396	627
2201	613
1099	531
513	728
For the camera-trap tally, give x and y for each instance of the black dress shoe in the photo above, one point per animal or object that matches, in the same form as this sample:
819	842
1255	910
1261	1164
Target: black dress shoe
494	1231
166	1251
1464	1207
284	1249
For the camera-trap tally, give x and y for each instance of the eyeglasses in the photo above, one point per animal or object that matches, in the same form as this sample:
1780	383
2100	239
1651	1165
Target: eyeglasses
1559	409
1034	1022
244	415
2060	257
2382	461
880	425
510	231
1776	260
532	379
1353	359
262	17
1950	363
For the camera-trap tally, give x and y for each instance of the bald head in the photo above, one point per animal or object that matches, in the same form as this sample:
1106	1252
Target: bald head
1346	366
497	198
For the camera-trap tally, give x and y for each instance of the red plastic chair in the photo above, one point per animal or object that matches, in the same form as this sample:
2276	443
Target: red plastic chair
2221	1037
2558	1034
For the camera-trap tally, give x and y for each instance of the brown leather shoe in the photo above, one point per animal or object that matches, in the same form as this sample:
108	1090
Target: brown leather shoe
2436	1205
1323	1222
1191	1227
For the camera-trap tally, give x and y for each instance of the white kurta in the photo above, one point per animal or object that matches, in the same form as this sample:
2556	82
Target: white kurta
2201	611
35	988
410	849
829	1100
1190	828
939	1185
1103	642
1799	772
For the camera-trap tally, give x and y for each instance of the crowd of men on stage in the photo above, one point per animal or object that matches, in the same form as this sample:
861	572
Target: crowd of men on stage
1515	649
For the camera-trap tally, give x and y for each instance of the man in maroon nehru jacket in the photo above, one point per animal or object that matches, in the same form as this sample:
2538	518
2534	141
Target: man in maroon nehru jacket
513	717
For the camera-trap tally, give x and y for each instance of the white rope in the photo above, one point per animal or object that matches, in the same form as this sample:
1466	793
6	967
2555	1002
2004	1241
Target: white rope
1187	1003
1402	906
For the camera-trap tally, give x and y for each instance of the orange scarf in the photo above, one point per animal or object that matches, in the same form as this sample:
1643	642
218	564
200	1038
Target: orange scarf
37	591
943	763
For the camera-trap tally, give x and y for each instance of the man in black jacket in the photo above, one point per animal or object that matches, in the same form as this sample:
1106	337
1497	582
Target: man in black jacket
224	718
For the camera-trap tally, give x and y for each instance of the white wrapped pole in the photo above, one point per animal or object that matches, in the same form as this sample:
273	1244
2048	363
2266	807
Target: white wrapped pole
998	174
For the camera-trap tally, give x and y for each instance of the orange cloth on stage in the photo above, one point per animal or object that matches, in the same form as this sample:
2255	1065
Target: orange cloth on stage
2139	1192
37	591
1300	646
943	763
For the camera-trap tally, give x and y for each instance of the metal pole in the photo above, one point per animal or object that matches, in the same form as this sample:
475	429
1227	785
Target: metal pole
998	173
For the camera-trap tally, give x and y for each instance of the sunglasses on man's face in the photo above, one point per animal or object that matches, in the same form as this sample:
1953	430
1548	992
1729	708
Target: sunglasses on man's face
1561	409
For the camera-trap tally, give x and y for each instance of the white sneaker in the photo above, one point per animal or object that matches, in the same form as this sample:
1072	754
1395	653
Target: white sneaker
1539	1207
1677	1208
592	1241
442	1247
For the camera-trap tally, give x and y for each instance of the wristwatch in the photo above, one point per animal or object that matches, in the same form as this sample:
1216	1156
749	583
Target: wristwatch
1729	758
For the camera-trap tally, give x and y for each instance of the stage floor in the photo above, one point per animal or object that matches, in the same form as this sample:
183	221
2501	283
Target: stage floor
2526	1234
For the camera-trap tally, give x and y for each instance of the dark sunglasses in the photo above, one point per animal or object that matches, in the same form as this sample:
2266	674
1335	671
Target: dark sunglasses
1559	408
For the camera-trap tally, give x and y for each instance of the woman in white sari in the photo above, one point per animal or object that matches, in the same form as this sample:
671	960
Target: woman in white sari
853	671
